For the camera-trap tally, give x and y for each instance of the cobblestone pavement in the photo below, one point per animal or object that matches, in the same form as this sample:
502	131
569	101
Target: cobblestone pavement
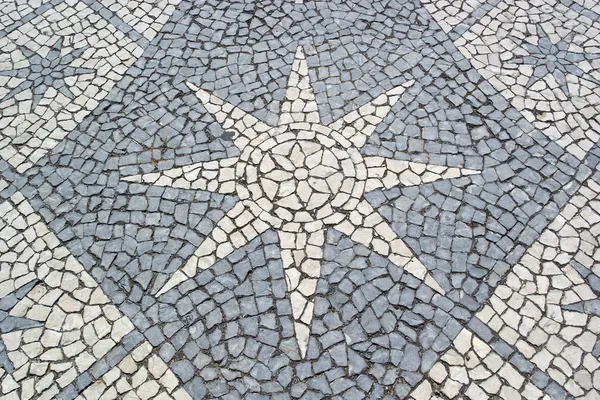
290	199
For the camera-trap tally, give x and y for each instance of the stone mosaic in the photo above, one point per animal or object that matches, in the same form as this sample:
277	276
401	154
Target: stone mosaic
146	17
289	199
54	70
544	319
12	11
298	178
543	57
451	13
56	322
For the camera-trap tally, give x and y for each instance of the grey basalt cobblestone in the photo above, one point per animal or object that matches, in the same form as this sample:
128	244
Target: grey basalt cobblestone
284	199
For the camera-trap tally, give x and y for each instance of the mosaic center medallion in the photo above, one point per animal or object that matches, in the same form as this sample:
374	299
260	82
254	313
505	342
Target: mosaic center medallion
303	180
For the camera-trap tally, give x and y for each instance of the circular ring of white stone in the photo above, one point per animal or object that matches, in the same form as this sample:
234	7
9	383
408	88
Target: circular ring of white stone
301	173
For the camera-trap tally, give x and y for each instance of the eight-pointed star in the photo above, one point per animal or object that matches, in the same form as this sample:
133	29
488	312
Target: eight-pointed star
555	59
43	72
300	178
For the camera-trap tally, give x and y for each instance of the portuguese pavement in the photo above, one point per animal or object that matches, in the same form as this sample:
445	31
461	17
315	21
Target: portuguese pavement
294	199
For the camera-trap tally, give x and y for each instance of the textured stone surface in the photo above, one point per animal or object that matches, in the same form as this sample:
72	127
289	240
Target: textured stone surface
298	199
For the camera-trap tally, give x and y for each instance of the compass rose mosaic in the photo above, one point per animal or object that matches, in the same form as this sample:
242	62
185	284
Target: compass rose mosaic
299	199
299	178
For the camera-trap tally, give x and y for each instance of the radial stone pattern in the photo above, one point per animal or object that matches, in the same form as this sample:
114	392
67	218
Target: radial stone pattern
299	200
